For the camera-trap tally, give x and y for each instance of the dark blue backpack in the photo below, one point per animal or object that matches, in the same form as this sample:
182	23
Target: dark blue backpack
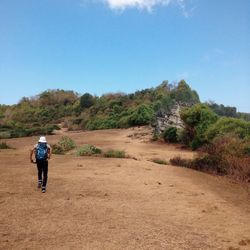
42	151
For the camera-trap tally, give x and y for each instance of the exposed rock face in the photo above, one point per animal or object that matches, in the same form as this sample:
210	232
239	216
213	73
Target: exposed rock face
169	119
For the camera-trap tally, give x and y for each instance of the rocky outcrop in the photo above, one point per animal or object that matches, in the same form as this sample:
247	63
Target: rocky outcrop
169	119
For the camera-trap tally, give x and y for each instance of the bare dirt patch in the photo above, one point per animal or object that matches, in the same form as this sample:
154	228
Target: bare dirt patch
102	203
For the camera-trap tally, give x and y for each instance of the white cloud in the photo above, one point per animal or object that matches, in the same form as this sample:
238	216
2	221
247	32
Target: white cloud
121	5
185	6
140	4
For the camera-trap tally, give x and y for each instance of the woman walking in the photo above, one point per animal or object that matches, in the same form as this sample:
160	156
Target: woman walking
42	151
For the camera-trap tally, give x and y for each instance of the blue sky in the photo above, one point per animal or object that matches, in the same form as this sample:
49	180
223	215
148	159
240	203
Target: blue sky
101	46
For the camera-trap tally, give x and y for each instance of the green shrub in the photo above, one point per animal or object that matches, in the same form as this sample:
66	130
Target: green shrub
170	135
109	123
57	149
115	154
123	122
197	120
22	131
142	115
19	132
159	161
227	125
4	145
88	150
101	123
66	143
196	143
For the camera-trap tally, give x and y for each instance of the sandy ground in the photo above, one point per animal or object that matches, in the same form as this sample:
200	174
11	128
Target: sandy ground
100	203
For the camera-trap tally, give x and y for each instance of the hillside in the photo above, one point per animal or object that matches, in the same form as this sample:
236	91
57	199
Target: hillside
103	203
43	113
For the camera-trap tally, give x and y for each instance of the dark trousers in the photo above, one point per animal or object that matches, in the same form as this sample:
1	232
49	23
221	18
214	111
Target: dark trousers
42	168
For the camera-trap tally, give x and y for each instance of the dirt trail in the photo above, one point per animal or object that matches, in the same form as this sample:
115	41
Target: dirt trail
100	203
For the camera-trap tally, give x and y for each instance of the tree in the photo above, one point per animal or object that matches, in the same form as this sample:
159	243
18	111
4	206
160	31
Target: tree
183	93
86	101
223	110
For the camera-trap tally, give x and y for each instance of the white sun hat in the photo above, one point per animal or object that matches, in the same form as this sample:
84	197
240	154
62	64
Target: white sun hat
42	139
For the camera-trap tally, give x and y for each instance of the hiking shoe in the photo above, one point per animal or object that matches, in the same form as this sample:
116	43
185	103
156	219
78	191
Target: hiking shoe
43	189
